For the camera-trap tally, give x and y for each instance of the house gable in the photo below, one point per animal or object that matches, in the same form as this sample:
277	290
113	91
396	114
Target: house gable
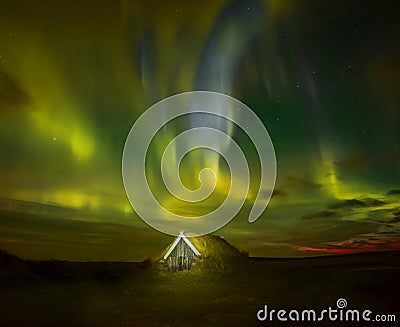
178	239
181	254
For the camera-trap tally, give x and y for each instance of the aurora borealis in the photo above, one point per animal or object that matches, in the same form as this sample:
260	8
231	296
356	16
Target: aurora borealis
322	76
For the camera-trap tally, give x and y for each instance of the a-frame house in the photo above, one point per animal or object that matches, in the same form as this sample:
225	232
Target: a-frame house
180	254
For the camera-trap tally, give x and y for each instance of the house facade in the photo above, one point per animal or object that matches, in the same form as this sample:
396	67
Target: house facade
180	254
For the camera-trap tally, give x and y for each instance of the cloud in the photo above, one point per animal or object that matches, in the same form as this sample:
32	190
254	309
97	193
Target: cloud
380	240
370	210
278	193
371	242
322	214
15	205
355	203
383	218
76	237
347	204
12	95
324	250
370	202
396	218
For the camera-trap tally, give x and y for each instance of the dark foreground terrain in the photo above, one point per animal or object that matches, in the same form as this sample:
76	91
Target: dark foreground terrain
57	293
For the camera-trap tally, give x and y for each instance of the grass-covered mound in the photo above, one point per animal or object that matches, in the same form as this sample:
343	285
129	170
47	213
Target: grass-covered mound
217	255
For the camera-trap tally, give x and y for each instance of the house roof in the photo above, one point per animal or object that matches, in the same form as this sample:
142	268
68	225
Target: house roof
181	237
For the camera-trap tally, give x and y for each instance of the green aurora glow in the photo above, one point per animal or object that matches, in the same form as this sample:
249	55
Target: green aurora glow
322	76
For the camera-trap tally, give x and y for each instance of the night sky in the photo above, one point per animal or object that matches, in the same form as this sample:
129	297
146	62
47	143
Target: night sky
323	76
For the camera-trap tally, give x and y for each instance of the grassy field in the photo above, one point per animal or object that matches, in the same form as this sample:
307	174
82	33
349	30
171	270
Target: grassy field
143	294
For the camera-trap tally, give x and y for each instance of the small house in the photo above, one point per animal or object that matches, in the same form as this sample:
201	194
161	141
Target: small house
180	254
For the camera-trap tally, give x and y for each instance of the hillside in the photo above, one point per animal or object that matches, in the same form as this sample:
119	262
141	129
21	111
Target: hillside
14	270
